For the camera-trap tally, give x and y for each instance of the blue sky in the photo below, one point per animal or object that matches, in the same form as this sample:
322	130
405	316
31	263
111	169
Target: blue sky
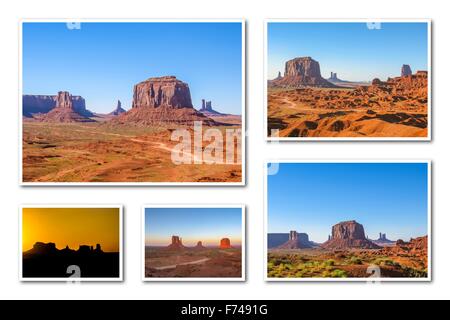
102	61
208	225
385	197
354	51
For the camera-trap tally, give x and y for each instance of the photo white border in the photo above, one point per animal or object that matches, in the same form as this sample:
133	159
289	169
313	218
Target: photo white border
71	279
195	279
83	20
265	90
368	279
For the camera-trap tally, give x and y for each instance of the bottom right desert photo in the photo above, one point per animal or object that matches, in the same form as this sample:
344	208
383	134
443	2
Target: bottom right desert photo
348	221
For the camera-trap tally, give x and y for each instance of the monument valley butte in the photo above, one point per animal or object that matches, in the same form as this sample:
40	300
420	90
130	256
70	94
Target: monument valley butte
158	135
44	260
177	260
348	253
69	145
302	104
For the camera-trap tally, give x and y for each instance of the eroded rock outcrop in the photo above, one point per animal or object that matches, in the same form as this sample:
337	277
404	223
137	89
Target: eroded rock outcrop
64	110
41	104
165	91
118	110
176	244
163	100
416	246
199	245
406	70
225	243
208	110
296	241
301	72
347	235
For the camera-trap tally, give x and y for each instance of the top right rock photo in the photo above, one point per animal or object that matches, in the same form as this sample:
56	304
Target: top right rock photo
348	80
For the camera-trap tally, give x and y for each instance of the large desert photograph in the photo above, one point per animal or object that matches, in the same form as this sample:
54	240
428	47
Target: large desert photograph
132	102
348	221
194	244
348	80
71	243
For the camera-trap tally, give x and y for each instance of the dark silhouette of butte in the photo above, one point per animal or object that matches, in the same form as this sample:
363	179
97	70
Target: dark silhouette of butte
44	260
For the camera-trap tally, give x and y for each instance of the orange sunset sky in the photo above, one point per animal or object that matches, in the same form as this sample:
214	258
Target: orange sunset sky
72	227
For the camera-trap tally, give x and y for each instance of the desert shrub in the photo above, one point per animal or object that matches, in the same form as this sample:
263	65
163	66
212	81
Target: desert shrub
326	274
337	273
355	260
329	263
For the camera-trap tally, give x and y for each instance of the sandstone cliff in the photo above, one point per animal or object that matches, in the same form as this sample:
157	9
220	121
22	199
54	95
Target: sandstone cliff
64	110
41	104
347	235
118	110
164	100
165	91
296	241
225	243
301	72
406	70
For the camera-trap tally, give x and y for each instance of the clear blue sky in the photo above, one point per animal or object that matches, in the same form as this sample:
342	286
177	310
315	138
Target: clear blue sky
387	197
208	225
102	61
354	51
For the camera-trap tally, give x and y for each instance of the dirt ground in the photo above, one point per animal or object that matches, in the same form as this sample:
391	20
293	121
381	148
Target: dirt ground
193	263
98	152
347	112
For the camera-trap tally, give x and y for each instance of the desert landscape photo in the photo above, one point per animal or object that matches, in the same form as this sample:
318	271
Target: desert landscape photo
349	222
71	243
353	80
194	243
132	102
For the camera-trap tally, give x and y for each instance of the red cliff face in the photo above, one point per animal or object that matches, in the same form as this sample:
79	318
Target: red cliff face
163	100
347	235
64	100
163	91
177	243
299	72
225	243
199	245
406	70
65	111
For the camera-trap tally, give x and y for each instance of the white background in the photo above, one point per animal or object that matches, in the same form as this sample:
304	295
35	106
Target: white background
257	150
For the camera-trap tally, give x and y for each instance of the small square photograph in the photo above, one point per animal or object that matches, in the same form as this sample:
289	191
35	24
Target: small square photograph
348	80
355	221
194	243
71	243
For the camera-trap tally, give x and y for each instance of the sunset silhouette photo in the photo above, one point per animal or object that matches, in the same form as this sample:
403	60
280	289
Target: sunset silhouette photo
59	243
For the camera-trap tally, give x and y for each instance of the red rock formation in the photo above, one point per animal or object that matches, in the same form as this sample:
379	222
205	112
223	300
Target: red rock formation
163	91
118	110
347	235
301	72
225	243
163	100
64	100
176	244
406	70
296	241
199	245
64	110
413	85
417	247
40	104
